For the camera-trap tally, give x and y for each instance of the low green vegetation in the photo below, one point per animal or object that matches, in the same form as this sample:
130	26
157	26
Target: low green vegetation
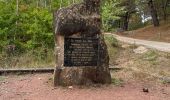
117	81
2	78
165	80
168	56
111	41
151	56
30	59
112	46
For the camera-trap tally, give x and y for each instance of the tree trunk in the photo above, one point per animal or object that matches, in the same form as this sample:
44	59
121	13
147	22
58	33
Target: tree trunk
45	4
153	13
61	2
164	6
51	5
17	14
37	3
126	22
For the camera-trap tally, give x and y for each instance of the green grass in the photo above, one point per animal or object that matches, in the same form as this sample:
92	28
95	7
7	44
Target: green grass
150	56
117	81
113	49
112	46
168	56
2	78
111	41
165	81
30	59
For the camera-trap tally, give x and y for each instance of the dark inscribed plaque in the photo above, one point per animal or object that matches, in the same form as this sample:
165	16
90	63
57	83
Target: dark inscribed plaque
81	52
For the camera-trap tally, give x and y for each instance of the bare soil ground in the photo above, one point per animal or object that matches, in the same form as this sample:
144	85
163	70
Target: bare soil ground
39	87
161	33
137	71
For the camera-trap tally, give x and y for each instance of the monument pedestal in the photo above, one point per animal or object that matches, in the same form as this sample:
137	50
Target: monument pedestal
81	61
81	52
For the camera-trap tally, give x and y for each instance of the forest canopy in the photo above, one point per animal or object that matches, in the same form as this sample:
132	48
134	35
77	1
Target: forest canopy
27	24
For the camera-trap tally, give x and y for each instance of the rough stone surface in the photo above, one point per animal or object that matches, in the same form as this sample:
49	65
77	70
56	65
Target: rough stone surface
140	50
125	46
80	20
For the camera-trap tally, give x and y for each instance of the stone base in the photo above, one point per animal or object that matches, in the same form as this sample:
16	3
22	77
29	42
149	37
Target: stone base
81	76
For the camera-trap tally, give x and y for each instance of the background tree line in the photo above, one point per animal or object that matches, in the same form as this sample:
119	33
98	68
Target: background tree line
133	14
27	24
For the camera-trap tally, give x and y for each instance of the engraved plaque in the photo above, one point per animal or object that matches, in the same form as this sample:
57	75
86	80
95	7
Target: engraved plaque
81	52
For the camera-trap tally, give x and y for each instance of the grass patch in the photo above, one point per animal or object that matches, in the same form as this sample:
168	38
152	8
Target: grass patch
111	41
31	59
165	81
150	56
117	81
2	78
112	46
168	56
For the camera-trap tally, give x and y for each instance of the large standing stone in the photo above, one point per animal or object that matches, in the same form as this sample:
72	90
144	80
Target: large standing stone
80	21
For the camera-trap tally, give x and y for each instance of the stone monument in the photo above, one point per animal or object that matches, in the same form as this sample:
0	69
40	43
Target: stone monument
81	53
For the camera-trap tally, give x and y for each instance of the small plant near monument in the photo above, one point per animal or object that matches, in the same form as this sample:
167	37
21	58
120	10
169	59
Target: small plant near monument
168	56
2	78
150	56
165	80
31	59
117	81
111	40
112	46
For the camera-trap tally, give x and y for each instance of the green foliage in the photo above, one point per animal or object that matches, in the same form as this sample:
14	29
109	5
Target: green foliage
112	46
110	11
2	78
135	22
36	58
117	81
29	29
111	40
30	26
150	56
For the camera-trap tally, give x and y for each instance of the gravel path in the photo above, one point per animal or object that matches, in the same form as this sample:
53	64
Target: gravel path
161	46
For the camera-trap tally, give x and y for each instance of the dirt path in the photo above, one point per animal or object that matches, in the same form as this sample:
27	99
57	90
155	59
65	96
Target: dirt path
161	46
39	87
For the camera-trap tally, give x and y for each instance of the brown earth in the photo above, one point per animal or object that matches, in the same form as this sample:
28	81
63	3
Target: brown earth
39	87
161	33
